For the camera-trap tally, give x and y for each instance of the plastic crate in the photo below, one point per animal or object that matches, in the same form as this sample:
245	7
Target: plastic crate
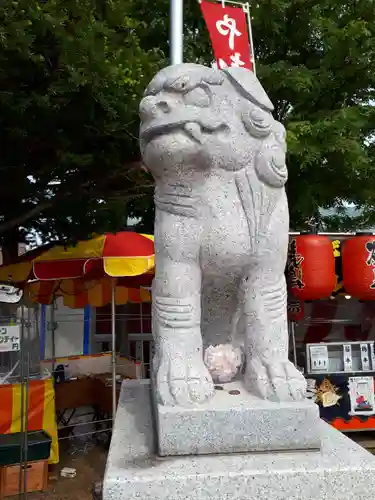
39	447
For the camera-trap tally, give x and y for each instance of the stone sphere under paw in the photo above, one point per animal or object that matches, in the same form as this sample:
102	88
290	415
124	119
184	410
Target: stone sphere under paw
223	362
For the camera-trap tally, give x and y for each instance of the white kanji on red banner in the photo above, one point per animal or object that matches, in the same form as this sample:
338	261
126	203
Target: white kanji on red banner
229	35
235	62
227	26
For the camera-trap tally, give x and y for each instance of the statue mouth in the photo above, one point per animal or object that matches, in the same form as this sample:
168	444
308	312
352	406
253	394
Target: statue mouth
195	126
157	128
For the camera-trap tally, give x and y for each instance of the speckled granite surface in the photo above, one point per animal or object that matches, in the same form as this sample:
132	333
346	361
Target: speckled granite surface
341	470
218	158
235	423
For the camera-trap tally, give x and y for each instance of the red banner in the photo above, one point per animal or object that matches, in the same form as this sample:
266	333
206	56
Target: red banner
229	34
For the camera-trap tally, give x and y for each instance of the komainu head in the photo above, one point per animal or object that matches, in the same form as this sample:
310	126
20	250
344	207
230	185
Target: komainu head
210	119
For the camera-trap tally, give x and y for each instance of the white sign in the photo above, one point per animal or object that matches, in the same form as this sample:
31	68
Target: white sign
365	358
361	393
347	358
9	338
319	358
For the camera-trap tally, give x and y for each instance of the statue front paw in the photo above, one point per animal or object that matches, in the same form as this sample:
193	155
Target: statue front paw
275	380
183	382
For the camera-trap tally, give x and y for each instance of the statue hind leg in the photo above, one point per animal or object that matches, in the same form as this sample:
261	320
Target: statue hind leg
269	373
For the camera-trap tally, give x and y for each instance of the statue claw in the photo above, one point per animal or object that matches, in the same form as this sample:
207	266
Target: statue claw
183	382
275	380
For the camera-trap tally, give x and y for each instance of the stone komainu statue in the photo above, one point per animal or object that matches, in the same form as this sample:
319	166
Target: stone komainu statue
221	230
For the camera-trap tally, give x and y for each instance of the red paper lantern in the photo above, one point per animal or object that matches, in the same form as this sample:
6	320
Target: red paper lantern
358	266
311	267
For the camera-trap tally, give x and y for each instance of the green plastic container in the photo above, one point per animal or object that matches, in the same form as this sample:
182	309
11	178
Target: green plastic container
39	447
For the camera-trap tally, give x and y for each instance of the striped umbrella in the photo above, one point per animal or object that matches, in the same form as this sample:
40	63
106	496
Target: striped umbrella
83	274
114	255
78	293
21	270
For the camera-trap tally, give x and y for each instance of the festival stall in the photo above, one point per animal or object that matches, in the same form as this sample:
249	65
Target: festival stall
106	269
112	269
331	309
90	271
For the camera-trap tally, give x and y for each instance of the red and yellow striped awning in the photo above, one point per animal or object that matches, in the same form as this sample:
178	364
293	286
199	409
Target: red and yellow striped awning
79	293
120	254
83	274
21	270
113	255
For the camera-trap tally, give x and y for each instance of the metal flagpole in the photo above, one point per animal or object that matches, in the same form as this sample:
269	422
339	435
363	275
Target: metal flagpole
176	38
246	8
113	329
22	402
27	376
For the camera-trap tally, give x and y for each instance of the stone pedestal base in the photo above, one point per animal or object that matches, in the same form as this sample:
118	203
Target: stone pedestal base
234	421
341	470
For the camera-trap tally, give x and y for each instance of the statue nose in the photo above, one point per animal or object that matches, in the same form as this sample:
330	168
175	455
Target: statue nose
152	107
163	107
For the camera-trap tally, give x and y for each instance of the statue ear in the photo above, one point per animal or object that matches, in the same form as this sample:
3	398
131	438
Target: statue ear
270	165
249	86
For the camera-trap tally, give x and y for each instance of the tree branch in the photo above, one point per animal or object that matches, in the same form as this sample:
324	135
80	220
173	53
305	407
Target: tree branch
38	209
21	219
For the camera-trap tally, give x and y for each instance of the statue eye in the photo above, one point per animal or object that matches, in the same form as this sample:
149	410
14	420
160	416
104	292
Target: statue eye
199	96
259	118
257	122
180	84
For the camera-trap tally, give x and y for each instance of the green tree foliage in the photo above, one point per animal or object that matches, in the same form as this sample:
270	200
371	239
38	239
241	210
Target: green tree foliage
71	74
316	59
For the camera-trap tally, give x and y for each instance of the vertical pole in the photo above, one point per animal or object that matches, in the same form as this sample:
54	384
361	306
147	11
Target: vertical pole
293	335
246	8
27	377
113	328
22	403
176	38
142	354
53	327
43	325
